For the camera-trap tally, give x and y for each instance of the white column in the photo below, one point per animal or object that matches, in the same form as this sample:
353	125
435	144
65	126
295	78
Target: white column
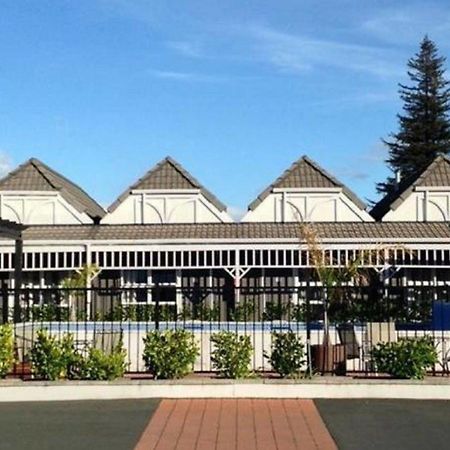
143	198
283	206
179	296
210	285
263	285
88	284
296	285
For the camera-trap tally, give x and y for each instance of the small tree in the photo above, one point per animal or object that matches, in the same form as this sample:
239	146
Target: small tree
331	276
334	276
424	126
81	279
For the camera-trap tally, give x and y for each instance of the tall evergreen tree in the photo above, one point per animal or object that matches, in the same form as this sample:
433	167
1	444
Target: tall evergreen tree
424	126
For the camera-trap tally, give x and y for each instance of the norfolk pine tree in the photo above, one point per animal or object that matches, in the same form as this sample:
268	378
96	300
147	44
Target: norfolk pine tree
424	126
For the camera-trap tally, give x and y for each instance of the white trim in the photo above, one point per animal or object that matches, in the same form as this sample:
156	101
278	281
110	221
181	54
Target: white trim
53	193
432	188
165	191
307	189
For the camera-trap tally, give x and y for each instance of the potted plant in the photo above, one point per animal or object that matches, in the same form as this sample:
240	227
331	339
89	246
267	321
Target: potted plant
333	278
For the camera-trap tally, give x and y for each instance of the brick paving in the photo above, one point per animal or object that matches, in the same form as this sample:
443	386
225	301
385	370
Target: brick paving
242	424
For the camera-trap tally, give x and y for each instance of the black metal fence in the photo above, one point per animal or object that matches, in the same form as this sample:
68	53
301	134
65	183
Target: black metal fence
340	325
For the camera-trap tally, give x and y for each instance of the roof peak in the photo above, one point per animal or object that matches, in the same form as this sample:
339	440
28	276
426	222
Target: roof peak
425	177
297	176
34	175
177	178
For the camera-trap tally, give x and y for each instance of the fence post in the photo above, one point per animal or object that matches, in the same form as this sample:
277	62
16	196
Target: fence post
4	294
308	333
157	293
18	260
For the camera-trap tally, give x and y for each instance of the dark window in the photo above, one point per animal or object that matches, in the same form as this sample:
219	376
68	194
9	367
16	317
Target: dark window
147	259
140	259
132	262
170	259
162	259
155	259
186	259
37	260
164	277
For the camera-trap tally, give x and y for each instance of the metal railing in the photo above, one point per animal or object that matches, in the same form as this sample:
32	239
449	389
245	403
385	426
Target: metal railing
349	321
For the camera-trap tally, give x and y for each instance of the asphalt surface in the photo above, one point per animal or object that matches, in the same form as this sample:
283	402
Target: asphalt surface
118	424
80	425
387	424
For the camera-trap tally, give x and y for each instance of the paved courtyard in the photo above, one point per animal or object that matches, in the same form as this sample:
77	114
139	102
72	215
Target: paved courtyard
226	424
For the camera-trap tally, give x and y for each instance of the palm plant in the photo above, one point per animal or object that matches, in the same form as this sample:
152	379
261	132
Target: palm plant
332	276
72	284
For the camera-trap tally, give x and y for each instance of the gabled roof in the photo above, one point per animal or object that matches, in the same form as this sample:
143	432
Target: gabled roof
436	174
168	175
34	175
306	173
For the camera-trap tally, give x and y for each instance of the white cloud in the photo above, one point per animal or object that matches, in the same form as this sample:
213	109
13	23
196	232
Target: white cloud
352	173
6	164
377	153
236	212
407	25
186	48
186	76
297	53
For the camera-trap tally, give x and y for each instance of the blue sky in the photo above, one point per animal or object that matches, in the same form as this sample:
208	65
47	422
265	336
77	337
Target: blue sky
236	91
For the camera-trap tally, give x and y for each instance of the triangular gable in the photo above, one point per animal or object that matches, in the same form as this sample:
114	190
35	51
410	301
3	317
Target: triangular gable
437	174
168	175
306	173
35	176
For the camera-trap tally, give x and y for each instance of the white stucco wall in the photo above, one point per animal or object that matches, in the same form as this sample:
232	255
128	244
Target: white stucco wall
308	206
40	209
166	208
429	206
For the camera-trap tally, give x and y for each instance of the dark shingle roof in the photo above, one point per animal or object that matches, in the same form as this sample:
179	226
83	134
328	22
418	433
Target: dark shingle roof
168	174
436	174
306	173
241	231
34	175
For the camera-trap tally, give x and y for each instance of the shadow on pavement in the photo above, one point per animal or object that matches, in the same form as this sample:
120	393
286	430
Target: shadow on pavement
107	424
387	424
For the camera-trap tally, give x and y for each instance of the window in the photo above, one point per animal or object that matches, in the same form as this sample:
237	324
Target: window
164	277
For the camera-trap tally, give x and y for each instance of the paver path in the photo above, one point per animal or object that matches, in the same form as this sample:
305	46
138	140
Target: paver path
226	424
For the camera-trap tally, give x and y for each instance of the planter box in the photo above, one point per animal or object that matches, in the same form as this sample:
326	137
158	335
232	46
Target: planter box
329	358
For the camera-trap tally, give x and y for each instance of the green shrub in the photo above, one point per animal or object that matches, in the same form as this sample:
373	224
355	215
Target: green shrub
53	358
407	358
6	349
170	354
243	312
199	312
232	354
287	354
276	311
100	365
